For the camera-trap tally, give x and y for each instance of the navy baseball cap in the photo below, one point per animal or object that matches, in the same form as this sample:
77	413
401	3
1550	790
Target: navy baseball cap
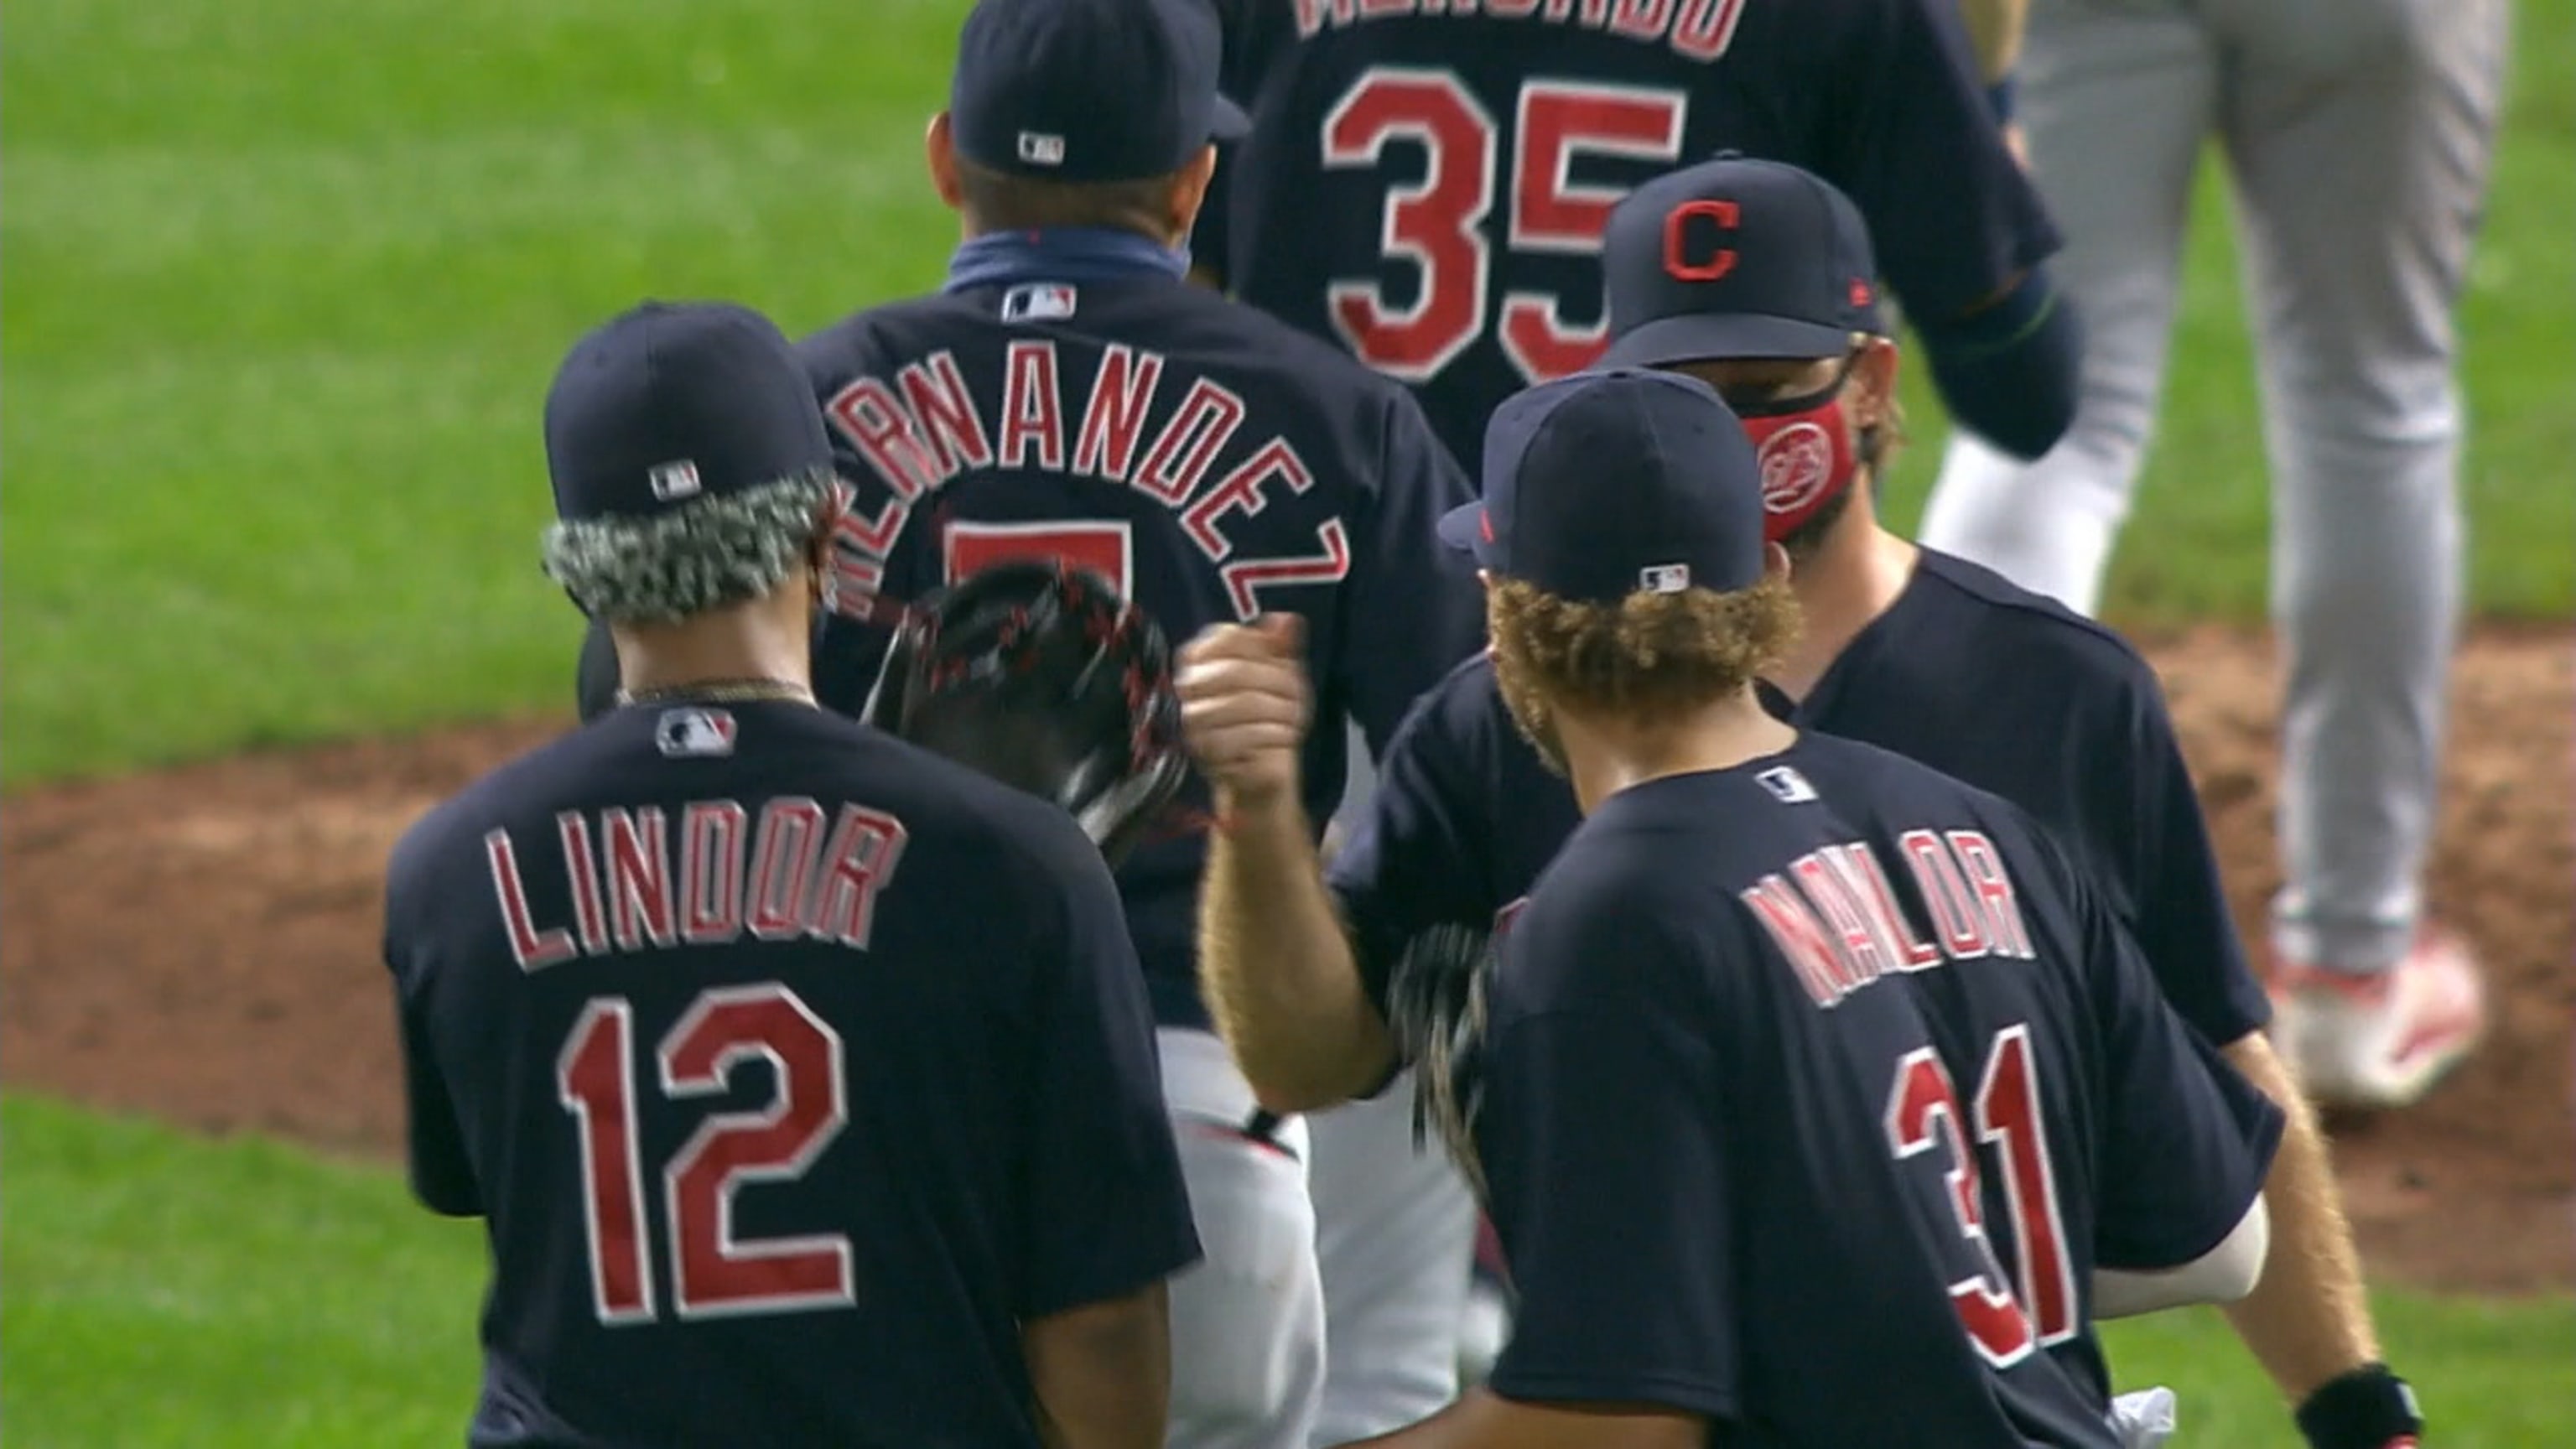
1089	90
1737	258
1605	483
672	402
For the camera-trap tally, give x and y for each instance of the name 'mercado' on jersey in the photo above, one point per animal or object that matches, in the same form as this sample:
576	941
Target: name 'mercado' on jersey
1210	462
1426	181
1814	1092
790	1067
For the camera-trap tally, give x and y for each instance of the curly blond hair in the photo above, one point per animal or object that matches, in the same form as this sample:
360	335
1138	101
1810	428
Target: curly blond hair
1646	658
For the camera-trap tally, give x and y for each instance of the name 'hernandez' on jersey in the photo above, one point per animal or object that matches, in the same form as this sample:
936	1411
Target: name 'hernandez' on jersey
1207	460
1426	181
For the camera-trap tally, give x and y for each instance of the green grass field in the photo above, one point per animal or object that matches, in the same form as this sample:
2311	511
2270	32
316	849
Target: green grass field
167	1291
285	283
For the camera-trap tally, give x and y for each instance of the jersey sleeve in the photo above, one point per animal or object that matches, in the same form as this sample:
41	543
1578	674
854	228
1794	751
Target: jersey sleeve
1951	214
1106	1210
442	1176
1606	1163
441	1171
2186	1141
2178	908
1414	607
1421	851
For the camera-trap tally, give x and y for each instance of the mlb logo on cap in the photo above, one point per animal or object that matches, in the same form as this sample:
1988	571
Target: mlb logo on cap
673	481
1615	482
1089	90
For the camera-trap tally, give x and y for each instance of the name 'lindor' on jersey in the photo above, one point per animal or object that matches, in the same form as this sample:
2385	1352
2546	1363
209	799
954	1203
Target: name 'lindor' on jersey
641	877
1835	916
923	428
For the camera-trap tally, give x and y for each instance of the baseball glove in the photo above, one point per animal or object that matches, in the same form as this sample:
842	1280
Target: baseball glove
1040	676
1436	1014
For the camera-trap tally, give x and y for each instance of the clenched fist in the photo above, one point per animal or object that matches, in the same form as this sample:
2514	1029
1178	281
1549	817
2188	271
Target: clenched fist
1245	705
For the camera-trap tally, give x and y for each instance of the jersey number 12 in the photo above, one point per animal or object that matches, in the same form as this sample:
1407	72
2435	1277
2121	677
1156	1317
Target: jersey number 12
713	1272
1437	224
1923	1113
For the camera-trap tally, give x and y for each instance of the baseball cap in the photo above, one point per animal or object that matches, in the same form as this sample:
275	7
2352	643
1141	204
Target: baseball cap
1737	258
672	402
1088	90
1604	483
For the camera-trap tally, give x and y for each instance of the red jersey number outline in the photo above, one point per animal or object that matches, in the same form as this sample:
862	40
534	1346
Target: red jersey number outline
1106	549
714	1272
1923	1112
1436	225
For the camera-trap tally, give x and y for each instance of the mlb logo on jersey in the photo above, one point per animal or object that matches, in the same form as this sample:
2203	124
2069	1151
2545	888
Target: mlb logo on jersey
1037	148
1038	302
674	480
1787	785
1664	578
692	734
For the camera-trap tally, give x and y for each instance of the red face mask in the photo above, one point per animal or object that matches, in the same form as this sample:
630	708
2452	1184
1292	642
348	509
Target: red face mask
1806	454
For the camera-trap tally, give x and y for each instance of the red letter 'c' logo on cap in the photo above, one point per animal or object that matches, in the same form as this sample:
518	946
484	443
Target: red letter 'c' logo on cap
1677	260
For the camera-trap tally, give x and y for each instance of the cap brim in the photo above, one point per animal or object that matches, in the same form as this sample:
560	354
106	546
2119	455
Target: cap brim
1464	530
1227	122
1702	337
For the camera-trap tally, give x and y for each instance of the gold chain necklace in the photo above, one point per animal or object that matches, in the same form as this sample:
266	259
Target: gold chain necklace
713	691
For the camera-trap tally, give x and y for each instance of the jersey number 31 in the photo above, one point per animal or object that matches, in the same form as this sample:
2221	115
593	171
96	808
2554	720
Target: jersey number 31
1923	1113
1437	224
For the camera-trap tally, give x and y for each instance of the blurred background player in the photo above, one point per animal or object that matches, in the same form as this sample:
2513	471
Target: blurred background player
802	1079
1424	186
1067	394
2359	138
1904	648
1427	189
1746	1034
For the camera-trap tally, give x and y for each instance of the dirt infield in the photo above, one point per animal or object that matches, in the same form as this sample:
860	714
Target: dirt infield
200	945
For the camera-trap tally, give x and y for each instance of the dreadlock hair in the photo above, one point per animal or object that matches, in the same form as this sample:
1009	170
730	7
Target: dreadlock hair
712	551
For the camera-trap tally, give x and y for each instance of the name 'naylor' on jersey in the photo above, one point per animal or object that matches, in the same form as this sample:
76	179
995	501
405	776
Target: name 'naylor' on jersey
1695	29
923	428
632	886
1840	926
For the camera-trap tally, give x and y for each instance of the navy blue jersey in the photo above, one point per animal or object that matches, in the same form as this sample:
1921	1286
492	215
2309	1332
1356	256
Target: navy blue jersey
1814	1092
1426	181
790	1067
1986	682
1210	462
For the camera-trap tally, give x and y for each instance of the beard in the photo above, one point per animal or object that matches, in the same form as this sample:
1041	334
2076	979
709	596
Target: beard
1531	716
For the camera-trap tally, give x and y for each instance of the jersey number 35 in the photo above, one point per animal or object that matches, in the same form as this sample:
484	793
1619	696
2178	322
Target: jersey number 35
1438	224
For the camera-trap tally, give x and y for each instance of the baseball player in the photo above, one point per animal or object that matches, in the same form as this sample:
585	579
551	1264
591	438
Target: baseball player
1425	183
1904	648
1067	394
2359	137
802	1079
1799	1060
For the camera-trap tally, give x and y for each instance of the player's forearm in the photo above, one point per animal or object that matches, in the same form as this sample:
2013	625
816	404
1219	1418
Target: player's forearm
1994	29
2309	1319
1102	1373
1277	969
